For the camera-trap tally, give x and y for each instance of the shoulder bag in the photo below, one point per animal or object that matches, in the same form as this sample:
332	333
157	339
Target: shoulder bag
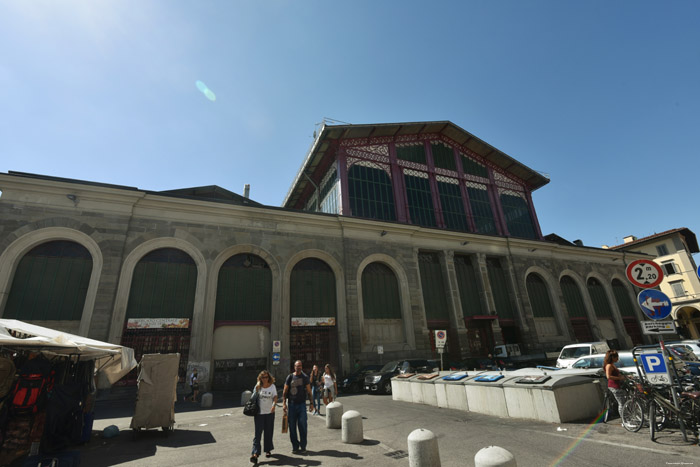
252	407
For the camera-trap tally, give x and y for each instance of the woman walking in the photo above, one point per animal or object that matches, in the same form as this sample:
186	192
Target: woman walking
316	379
330	387
614	377
265	419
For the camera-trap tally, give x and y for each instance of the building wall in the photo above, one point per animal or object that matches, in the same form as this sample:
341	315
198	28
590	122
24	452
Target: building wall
119	226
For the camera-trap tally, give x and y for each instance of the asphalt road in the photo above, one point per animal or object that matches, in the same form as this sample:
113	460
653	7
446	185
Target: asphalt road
222	435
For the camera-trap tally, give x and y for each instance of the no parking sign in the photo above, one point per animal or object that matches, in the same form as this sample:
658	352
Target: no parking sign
440	339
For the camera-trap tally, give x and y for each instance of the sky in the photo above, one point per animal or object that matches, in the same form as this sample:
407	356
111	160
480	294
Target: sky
603	97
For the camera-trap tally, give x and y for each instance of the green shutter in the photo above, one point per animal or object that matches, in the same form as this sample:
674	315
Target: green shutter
380	293
622	299
573	298
244	289
469	292
599	299
312	293
433	287
500	289
539	297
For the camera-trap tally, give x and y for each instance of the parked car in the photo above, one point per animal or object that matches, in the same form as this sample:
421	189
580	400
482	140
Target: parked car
355	381
380	381
571	352
626	362
686	349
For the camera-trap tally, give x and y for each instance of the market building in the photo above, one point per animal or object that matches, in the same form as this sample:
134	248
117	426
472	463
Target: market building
388	233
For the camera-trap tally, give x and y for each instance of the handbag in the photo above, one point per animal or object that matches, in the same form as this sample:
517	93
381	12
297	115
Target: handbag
252	407
285	423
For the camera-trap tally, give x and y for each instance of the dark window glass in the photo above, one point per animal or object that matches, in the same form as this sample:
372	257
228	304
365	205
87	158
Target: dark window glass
573	298
244	289
380	293
473	168
413	153
312	290
420	201
371	194
163	285
517	215
433	287
481	210
452	207
599	299
500	288
622	299
469	292
50	283
539	297
443	156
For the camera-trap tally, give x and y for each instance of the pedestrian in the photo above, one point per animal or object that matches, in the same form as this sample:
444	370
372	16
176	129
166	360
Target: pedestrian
316	379
265	419
357	365
194	386
330	387
614	377
296	387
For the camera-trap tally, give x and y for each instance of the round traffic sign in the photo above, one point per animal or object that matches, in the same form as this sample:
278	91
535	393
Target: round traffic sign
644	273
441	334
654	303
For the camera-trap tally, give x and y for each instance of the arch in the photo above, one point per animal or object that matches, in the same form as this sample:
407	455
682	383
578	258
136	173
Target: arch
615	317
404	297
127	274
532	275
13	254
341	318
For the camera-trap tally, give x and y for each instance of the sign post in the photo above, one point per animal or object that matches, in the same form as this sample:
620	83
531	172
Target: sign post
440	341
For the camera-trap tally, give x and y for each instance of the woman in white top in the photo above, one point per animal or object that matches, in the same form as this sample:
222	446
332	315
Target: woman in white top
330	387
265	419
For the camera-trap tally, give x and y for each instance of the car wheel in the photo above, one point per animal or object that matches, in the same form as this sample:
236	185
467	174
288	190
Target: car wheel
387	387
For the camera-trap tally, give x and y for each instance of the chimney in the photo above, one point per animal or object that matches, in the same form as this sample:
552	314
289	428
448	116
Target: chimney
629	239
578	242
246	190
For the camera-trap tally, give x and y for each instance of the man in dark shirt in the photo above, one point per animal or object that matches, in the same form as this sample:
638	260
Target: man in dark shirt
296	388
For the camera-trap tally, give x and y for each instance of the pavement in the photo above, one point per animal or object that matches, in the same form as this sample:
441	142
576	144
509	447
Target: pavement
222	435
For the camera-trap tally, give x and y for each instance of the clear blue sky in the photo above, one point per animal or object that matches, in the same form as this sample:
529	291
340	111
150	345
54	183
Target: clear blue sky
603	96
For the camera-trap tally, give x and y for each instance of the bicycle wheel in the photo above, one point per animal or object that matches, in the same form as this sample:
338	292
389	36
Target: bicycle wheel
608	406
652	419
632	415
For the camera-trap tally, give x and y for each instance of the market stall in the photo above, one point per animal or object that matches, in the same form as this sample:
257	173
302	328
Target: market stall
48	387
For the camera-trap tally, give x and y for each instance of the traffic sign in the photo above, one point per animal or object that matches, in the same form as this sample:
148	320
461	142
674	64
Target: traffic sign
658	327
655	368
440	339
654	304
644	273
275	358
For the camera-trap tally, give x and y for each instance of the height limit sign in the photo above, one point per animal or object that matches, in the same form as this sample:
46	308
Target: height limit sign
644	273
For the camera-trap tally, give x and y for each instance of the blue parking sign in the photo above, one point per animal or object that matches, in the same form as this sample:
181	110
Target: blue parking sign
655	368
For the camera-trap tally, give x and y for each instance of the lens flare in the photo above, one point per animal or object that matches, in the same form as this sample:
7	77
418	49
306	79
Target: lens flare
208	93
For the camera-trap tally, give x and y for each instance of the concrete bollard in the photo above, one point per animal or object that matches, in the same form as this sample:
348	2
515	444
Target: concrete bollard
423	449
207	399
334	415
352	428
245	397
494	456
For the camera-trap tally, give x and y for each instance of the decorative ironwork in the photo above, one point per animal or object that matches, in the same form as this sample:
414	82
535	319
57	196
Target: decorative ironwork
413	165
378	153
374	165
451	180
353	142
415	173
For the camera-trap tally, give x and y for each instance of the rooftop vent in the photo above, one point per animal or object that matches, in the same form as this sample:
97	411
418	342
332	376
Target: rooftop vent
246	190
578	242
629	239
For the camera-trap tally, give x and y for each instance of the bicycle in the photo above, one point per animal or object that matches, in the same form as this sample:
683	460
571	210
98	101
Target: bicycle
636	406
687	416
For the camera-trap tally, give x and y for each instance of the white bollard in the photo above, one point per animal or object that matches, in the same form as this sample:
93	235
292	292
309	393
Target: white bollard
423	449
207	399
334	415
245	397
352	428
494	456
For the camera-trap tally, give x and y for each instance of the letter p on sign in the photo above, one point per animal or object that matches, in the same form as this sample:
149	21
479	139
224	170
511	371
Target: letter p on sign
654	363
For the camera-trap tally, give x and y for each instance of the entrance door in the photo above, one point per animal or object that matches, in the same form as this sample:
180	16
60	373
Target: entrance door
156	340
480	337
313	345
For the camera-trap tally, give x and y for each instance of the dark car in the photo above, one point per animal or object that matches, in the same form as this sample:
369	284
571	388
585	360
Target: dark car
380	382
354	382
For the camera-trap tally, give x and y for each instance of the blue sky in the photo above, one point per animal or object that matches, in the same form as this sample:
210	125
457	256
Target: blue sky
603	97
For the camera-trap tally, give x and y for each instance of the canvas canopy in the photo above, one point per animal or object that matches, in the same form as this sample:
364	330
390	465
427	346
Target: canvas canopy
112	361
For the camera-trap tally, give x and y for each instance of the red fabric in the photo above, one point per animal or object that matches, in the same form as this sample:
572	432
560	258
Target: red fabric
613	383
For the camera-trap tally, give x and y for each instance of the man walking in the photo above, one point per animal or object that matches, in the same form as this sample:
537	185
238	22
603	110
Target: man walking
296	388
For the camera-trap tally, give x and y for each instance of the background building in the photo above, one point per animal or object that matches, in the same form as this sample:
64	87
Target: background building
388	233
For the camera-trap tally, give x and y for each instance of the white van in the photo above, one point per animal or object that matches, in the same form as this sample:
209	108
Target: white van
572	352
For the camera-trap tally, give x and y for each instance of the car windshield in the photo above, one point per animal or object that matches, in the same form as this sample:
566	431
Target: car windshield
625	360
391	366
575	352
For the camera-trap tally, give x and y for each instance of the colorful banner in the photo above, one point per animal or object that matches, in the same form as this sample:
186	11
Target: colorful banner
157	323
305	322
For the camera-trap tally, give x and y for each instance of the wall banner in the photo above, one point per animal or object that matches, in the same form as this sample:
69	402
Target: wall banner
157	323
306	322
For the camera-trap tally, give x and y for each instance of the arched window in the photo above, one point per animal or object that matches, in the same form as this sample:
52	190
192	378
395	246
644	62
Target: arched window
371	193
469	292
599	299
433	287
163	285
572	298
50	283
539	297
244	289
312	290
622	299
380	292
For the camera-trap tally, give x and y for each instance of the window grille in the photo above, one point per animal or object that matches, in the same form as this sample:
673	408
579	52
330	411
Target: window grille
500	288
433	287
443	156
312	290
517	216
539	297
420	201
452	206
481	209
468	285
573	298
244	289
50	283
599	299
411	152
471	167
622	299
371	193
380	293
